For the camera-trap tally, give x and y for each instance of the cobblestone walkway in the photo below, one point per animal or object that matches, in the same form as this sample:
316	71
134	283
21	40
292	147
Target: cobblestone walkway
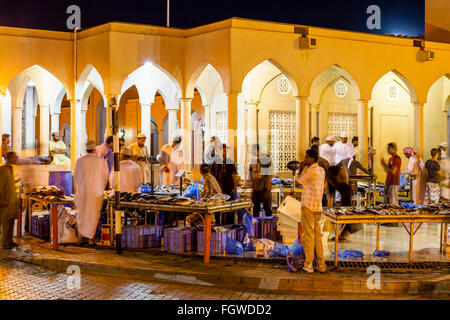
20	281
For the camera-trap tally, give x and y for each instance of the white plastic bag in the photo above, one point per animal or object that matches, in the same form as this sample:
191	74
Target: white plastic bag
66	226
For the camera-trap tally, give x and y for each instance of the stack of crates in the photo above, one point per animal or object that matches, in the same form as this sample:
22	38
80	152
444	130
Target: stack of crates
180	239
266	227
40	225
218	241
141	237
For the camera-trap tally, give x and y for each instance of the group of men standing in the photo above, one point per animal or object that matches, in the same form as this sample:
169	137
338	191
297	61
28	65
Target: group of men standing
430	180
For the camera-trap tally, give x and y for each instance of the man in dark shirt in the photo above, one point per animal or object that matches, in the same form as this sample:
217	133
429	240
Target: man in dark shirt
260	170
224	170
392	169
434	174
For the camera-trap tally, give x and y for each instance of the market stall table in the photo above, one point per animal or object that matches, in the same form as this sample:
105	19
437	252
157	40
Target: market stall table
52	207
412	218
207	211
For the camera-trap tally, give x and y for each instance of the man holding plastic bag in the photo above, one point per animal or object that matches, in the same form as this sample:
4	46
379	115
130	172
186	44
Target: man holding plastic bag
312	179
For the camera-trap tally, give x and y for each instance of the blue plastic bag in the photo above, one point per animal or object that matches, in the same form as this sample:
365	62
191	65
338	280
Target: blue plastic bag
381	253
344	254
193	191
279	250
276	181
295	262
233	247
296	248
249	223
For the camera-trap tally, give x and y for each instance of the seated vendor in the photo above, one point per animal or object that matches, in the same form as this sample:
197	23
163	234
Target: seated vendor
58	151
210	185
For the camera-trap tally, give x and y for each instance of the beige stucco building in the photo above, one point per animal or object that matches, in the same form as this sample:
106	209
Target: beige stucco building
242	80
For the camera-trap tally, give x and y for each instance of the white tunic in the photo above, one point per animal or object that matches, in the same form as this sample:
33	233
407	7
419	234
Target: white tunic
130	176
328	153
91	177
419	184
342	151
173	159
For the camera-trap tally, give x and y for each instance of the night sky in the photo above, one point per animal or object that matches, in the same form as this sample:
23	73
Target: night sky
397	17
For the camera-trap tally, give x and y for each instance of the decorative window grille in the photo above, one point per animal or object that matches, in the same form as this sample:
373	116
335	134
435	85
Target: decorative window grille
284	86
282	139
340	88
221	126
342	122
392	92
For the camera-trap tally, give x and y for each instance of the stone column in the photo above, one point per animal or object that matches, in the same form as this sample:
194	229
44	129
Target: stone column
17	129
44	130
232	124
55	122
146	123
82	136
30	136
252	120
207	123
363	131
172	125
418	127
313	121
301	108
186	130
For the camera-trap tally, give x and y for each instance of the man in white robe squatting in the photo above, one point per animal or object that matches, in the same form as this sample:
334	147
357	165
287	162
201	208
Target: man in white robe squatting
91	177
130	173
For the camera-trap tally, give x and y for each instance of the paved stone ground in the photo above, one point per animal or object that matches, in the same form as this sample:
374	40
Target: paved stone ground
21	281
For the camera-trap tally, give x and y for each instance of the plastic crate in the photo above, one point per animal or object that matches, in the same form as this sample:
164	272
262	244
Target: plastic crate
218	241
237	230
40	226
266	227
141	237
180	239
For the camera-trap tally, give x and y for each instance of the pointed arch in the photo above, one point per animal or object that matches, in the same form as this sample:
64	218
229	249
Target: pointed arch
406	84
329	76
264	71
204	72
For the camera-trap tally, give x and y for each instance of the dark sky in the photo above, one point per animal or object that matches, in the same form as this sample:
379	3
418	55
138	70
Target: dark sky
397	17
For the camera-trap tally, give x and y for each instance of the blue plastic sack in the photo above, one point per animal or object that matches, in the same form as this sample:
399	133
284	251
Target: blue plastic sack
296	248
381	253
233	247
279	250
344	254
295	262
276	181
249	222
193	191
408	205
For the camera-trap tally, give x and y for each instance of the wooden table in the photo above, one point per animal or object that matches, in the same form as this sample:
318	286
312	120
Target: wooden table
52	207
378	219
206	211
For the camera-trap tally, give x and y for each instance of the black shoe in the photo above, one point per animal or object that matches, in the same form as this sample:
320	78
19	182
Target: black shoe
13	245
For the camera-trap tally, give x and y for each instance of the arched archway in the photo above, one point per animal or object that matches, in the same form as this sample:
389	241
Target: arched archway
267	113
436	111
392	113
334	96
33	87
148	91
